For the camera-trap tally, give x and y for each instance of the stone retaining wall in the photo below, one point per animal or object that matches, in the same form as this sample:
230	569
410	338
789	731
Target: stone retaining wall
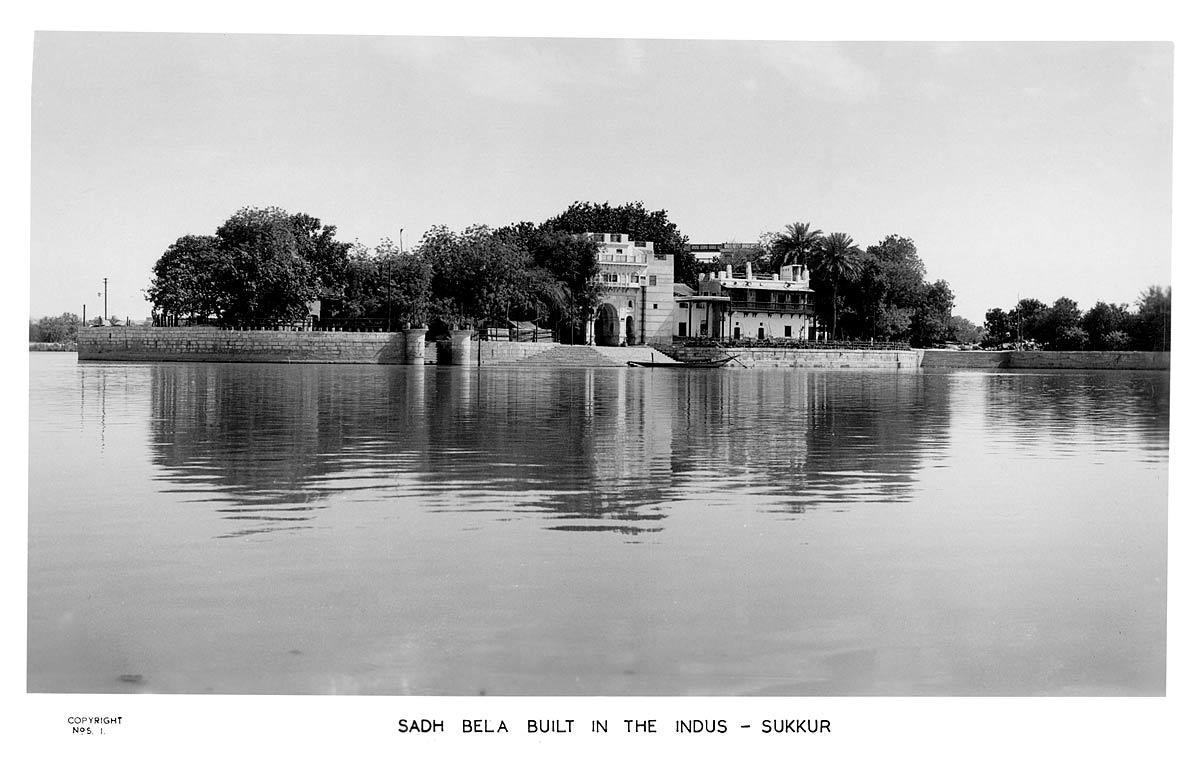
145	344
1048	360
211	344
797	357
936	358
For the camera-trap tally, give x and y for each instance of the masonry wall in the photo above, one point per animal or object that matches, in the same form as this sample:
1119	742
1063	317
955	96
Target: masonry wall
1090	360
120	344
794	357
959	360
1048	360
170	344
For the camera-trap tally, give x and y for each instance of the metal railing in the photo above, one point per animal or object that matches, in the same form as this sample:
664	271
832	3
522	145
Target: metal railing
789	308
815	345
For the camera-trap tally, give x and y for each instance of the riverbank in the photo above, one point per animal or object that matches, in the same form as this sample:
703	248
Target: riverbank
1046	360
210	344
68	346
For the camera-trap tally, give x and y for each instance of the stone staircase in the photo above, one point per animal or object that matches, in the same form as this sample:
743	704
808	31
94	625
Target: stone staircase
584	356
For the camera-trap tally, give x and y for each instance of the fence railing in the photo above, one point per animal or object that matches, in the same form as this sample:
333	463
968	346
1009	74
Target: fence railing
783	308
815	345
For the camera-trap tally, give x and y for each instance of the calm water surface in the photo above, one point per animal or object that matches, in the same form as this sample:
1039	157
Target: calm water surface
394	530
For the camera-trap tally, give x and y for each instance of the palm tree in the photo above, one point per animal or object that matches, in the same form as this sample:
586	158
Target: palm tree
838	258
795	244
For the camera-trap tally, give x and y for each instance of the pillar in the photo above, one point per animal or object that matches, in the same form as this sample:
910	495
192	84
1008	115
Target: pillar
414	345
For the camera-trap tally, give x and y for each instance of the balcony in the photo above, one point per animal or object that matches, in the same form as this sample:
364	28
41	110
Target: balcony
771	306
632	258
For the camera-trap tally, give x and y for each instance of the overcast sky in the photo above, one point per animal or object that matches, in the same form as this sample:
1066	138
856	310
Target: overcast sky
1030	169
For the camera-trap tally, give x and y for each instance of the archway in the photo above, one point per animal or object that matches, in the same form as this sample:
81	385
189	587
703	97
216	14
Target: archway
630	337
608	326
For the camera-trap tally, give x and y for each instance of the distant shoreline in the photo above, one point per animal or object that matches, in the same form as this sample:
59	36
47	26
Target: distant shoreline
68	346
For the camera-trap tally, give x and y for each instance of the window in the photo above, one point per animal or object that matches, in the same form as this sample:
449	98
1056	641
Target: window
610	278
597	237
630	304
653	280
761	334
614	238
683	328
787	331
620	251
655	305
639	244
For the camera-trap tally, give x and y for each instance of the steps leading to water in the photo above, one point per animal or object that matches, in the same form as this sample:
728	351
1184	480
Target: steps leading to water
584	356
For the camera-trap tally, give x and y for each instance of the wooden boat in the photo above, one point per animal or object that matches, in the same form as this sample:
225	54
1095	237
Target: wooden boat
700	364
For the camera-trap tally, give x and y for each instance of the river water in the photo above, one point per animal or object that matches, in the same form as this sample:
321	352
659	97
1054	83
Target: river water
246	528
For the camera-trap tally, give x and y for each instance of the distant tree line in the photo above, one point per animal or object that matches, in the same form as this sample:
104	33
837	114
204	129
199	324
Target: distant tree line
1104	327
60	329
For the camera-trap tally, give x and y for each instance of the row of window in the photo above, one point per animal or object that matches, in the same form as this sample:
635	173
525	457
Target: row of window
616	238
632	279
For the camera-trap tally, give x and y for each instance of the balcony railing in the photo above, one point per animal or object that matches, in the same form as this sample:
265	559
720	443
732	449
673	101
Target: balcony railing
622	258
784	308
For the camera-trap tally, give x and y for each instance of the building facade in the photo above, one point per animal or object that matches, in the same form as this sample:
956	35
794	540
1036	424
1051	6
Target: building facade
637	305
771	306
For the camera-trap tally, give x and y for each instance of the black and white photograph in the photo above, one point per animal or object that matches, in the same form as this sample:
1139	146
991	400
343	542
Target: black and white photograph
431	367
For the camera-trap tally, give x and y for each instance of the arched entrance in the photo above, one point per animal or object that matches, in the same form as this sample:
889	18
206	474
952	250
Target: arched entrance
630	338
607	326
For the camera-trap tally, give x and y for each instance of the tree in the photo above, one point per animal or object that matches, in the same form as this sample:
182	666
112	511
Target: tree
838	260
1028	320
998	327
1152	327
640	224
189	279
890	290
268	276
1107	323
963	330
60	329
797	243
387	283
931	320
480	277
1060	328
571	288
261	263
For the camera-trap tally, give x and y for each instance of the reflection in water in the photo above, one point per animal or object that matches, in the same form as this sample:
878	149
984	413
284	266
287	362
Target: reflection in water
608	447
753	531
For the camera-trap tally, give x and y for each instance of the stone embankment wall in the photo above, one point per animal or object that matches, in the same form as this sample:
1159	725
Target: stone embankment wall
1048	360
211	344
168	344
794	357
165	344
964	360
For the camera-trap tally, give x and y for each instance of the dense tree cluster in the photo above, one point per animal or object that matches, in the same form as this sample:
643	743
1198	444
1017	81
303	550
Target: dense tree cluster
879	293
261	263
269	264
1104	327
60	329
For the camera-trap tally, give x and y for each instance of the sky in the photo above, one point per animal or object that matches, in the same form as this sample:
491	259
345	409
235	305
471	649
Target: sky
1019	169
